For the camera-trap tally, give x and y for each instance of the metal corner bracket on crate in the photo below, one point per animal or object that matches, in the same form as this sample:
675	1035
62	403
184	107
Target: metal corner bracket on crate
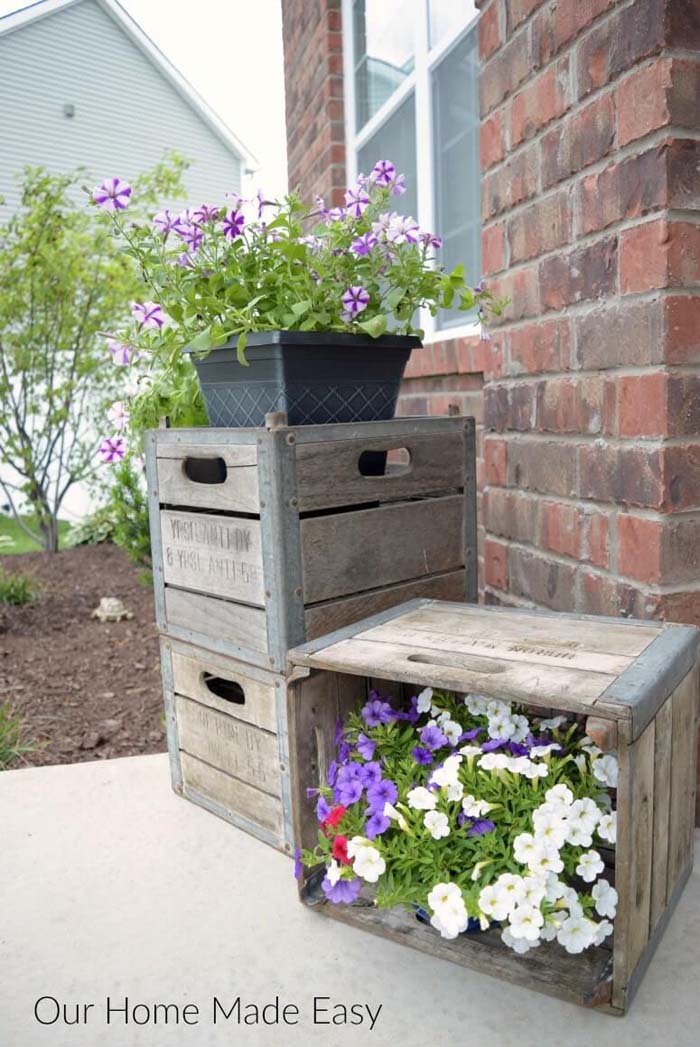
635	686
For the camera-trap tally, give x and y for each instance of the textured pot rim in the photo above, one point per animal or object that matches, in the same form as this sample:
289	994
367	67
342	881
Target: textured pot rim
318	339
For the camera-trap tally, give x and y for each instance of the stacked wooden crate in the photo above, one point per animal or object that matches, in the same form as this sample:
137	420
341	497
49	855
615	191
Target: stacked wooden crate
265	538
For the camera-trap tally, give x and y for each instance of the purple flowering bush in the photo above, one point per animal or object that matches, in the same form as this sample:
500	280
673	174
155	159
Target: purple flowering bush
475	813
220	271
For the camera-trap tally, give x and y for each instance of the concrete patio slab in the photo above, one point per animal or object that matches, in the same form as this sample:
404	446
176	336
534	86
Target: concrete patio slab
112	887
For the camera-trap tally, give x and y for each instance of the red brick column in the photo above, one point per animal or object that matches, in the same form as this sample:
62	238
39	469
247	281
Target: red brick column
313	73
591	192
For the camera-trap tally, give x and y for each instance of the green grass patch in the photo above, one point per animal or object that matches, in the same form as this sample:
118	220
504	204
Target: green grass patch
13	741
17	589
14	540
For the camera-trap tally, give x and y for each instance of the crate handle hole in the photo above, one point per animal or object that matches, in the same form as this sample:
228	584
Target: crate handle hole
374	465
228	690
472	665
205	470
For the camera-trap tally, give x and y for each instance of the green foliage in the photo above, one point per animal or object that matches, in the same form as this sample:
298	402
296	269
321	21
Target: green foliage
128	511
17	590
63	283
95	529
13	742
287	268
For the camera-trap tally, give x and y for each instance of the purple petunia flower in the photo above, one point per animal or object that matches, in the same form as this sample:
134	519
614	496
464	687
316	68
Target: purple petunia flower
492	744
112	449
332	773
148	314
354	300
343	891
207	213
432	737
344	751
422	756
193	237
398	187
383	173
469	736
298	867
403	230
357	200
480	827
185	260
365	746
233	224
516	749
370	773
336	214
322	809
348	792
122	354
376	824
348	772
113	194
383	791
376	712
338	733
430	240
364	244
164	221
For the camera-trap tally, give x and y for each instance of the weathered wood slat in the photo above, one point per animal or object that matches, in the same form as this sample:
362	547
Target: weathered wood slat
214	554
567	689
327	617
474	642
633	865
348	552
237	624
436	463
198	678
230	745
662	811
238	493
683	777
257	812
235	455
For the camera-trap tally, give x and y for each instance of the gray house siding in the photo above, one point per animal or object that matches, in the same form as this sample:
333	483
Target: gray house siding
127	113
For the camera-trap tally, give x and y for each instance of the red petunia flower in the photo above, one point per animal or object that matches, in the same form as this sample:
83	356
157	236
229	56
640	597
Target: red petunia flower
340	850
334	817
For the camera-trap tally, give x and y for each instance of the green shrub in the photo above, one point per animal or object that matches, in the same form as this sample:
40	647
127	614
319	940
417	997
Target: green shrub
93	530
17	589
13	742
128	511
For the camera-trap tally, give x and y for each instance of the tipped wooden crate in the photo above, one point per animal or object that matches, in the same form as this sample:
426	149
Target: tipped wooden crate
636	685
263	538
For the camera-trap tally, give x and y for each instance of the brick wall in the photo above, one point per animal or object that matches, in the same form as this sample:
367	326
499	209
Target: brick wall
313	72
591	191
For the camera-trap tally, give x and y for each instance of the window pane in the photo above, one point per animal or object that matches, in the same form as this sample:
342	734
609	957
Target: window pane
395	140
446	17
456	162
383	32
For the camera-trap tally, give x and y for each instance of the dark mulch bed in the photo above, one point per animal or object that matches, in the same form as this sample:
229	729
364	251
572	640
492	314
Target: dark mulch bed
87	691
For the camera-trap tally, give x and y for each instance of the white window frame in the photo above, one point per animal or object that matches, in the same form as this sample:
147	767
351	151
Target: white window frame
418	81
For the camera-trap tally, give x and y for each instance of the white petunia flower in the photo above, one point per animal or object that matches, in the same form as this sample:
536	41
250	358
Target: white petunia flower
421	799
589	865
437	824
548	862
607	827
519	945
590	747
522	728
536	770
587	811
581	762
494	762
448	773
605	770
526	848
550	827
333	873
576	934
368	864
455	791
476	704
603	929
512	888
569	899
605	899
450	916
396	816
447	927
470	750
532	891
544	750
474	808
552	723
494	902
525	922
577	833
551	926
497	707
476	871
452	730
356	844
501	726
425	699
559	795
553	887
443	894
442	717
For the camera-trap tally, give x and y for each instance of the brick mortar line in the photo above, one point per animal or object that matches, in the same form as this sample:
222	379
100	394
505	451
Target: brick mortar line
650	443
657	589
623	371
601	507
625	152
523	602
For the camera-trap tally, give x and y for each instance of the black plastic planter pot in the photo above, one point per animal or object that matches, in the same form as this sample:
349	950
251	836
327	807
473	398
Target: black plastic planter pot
316	378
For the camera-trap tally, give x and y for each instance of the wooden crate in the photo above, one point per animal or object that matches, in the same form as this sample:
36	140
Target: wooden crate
227	753
636	685
263	538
